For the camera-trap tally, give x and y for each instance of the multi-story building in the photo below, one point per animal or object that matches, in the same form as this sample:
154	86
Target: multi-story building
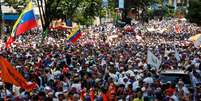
8	13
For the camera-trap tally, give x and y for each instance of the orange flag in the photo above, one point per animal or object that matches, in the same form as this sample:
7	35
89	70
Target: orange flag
12	76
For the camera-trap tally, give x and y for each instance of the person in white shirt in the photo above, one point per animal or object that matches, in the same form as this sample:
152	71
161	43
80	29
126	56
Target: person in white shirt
181	87
174	97
148	79
126	82
77	86
16	90
135	85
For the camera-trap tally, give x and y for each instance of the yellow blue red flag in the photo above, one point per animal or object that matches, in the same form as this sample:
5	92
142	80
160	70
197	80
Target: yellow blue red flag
75	35
24	23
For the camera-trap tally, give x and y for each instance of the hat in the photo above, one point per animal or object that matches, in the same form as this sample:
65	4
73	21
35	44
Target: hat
130	72
58	93
121	68
111	63
47	88
125	78
97	80
143	89
169	82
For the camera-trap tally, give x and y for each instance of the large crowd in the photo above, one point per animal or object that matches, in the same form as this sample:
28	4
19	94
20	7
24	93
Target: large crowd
106	64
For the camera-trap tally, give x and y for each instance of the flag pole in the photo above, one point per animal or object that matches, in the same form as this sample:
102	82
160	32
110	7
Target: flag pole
40	13
40	7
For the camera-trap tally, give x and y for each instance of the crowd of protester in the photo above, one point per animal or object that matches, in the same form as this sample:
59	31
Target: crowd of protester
106	64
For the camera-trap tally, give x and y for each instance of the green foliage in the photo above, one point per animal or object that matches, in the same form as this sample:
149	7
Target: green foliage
169	11
150	13
111	8
93	8
165	11
16	4
194	11
103	12
87	11
76	10
143	4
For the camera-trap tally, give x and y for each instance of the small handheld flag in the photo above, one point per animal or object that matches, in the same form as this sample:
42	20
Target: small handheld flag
153	60
176	54
75	35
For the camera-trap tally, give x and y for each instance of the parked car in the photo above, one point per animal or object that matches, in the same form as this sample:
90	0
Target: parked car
174	76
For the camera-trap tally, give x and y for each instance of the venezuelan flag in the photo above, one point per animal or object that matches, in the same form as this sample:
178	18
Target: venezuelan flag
75	35
24	23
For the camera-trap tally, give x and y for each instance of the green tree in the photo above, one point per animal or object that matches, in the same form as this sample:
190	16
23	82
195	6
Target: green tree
142	5
16	4
194	11
72	9
76	10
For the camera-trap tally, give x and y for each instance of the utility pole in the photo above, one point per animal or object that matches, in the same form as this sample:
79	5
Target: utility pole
41	14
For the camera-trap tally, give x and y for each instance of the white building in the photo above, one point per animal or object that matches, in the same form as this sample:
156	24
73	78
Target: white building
9	14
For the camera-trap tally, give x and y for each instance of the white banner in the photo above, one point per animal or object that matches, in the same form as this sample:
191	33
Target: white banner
176	54
153	60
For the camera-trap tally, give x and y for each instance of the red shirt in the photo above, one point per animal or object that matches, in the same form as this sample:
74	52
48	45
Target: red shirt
170	91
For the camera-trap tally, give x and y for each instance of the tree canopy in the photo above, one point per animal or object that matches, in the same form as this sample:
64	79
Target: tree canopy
76	10
194	11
